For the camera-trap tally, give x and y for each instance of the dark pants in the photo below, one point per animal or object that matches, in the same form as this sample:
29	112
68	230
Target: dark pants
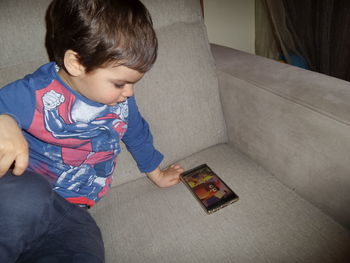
37	225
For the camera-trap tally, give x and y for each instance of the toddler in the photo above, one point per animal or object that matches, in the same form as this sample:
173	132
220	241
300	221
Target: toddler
61	129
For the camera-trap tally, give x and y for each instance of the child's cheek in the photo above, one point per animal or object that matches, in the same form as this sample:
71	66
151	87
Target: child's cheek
111	96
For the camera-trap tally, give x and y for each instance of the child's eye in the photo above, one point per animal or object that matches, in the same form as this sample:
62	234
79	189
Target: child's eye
119	86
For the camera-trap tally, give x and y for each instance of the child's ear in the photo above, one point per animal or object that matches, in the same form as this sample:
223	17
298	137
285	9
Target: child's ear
72	64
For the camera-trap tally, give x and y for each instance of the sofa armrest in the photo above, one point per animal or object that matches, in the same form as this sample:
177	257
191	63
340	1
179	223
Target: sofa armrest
294	122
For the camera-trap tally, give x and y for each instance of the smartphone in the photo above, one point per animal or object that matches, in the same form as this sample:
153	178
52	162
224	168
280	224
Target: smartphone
208	188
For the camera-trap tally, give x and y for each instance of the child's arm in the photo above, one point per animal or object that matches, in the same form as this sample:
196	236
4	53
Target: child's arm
167	177
13	146
139	141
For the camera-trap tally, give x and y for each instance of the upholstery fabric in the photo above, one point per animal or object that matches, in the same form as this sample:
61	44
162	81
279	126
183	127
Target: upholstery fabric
321	93
270	223
276	108
22	39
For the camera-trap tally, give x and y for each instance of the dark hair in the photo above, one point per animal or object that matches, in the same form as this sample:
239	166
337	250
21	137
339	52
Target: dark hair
102	32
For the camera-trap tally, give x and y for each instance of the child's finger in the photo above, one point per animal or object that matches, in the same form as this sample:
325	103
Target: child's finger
173	181
176	166
180	169
21	163
176	179
5	163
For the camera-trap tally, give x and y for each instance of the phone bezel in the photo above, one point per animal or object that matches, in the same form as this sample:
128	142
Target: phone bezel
231	198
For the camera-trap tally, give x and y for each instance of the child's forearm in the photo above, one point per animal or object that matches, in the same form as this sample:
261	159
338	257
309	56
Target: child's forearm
13	146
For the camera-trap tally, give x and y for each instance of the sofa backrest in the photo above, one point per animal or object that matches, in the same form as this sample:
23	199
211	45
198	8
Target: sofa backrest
179	97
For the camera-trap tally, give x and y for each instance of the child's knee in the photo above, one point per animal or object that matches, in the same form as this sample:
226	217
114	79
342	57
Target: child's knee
24	207
26	195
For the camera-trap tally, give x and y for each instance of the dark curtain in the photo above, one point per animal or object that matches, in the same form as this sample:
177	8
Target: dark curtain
318	31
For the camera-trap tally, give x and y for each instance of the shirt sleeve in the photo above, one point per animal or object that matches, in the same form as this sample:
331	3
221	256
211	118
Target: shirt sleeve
139	141
18	101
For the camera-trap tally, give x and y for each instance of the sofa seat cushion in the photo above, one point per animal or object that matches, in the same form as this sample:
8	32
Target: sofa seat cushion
270	223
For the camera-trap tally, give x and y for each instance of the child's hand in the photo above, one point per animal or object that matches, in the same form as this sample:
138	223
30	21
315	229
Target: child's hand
167	177
13	146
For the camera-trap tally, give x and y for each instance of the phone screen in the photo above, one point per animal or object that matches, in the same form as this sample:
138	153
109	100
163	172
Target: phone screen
209	189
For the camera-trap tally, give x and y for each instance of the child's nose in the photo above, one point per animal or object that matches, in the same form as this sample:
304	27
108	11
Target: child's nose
128	90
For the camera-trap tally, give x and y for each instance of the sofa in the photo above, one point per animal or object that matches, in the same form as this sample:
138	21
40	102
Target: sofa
278	135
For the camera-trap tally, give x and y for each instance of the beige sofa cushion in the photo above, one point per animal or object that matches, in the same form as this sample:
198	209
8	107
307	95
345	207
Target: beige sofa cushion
270	223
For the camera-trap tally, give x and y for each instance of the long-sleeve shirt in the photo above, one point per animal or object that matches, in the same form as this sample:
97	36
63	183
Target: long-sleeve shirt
73	141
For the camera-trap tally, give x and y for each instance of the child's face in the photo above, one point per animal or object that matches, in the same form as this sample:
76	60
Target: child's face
109	85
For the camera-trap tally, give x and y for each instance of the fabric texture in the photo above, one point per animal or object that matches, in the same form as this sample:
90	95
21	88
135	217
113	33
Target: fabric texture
269	223
299	116
28	28
321	93
37	225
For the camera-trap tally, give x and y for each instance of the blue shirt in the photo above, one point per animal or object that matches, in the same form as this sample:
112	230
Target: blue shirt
73	141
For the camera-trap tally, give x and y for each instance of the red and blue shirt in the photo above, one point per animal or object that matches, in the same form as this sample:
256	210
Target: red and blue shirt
73	141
